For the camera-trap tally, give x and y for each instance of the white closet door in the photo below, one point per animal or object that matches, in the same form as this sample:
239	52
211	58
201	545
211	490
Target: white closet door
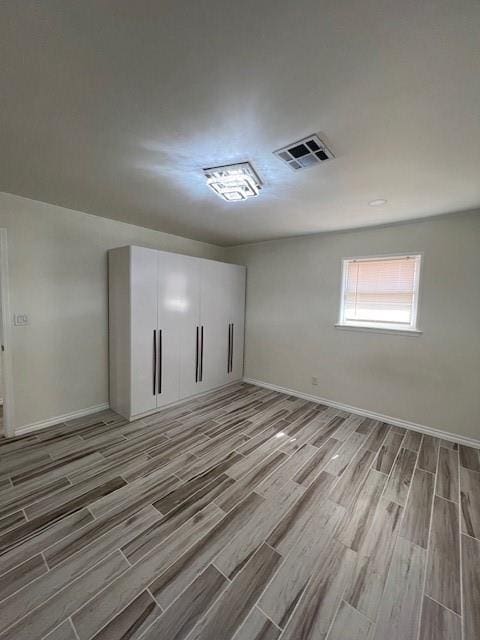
237	307
173	309
189	271
143	310
214	298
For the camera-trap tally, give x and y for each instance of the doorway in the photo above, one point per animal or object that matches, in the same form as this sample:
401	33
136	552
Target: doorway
6	380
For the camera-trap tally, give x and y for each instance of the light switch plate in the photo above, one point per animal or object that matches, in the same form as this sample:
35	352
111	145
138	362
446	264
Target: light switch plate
20	319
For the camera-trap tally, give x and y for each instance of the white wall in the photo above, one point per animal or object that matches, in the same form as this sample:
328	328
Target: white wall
58	276
293	297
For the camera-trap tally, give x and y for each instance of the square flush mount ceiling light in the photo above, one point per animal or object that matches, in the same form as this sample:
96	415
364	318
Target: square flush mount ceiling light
234	182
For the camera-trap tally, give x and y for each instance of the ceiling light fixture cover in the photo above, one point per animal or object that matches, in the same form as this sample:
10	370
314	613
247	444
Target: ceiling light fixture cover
308	152
234	182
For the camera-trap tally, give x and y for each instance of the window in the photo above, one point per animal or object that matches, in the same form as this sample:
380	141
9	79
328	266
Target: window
380	292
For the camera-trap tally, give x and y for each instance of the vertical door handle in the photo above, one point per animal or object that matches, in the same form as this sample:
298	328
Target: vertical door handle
160	359
201	353
196	357
154	362
228	349
231	349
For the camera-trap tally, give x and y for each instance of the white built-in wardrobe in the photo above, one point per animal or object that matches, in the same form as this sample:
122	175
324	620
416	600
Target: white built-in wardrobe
176	327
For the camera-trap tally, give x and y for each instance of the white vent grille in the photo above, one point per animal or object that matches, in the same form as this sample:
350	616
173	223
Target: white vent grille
308	152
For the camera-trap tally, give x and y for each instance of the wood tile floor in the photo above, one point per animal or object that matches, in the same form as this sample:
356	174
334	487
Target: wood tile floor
245	515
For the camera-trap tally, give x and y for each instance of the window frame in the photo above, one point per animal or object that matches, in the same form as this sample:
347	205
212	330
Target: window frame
382	327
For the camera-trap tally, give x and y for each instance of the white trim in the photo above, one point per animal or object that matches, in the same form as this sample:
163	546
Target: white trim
398	422
9	408
43	424
379	329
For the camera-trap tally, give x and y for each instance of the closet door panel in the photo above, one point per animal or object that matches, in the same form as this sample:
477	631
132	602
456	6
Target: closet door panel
237	306
189	268
143	323
215	281
173	306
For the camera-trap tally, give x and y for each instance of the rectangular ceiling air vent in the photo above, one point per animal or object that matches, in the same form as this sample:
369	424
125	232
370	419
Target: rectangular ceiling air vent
304	153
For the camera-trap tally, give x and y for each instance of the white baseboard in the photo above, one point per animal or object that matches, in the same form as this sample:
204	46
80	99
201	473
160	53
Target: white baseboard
437	433
43	424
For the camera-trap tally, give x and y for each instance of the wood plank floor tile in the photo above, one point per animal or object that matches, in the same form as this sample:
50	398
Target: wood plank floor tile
301	515
63	632
469	458
388	452
427	457
75	497
443	572
439	623
250	481
198	507
413	440
291	579
47	616
416	520
184	613
11	521
345	454
471	588
97	540
317	462
349	486
227	615
14	554
357	521
398	616
399	481
447	474
349	624
243	514
19	497
21	575
376	436
318	605
288	469
470	502
257	627
328	430
168	568
374	557
133	621
237	552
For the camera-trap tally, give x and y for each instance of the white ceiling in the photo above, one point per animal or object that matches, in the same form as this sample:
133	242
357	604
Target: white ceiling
114	106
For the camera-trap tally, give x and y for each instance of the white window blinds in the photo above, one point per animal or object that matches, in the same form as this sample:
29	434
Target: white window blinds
381	291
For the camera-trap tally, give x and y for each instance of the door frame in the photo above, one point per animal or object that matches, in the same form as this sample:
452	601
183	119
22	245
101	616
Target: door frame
6	355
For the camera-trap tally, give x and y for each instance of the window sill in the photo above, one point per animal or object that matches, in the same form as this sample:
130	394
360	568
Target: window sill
401	332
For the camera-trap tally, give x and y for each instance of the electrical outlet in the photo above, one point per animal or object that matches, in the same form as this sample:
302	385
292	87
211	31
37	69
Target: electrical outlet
20	319
314	381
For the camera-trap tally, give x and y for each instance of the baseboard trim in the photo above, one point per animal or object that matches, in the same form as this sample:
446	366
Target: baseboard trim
43	424
398	422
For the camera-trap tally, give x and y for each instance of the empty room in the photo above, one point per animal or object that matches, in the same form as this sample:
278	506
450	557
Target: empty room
240	320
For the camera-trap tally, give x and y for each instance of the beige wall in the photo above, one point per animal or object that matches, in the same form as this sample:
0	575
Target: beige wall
293	297
58	276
